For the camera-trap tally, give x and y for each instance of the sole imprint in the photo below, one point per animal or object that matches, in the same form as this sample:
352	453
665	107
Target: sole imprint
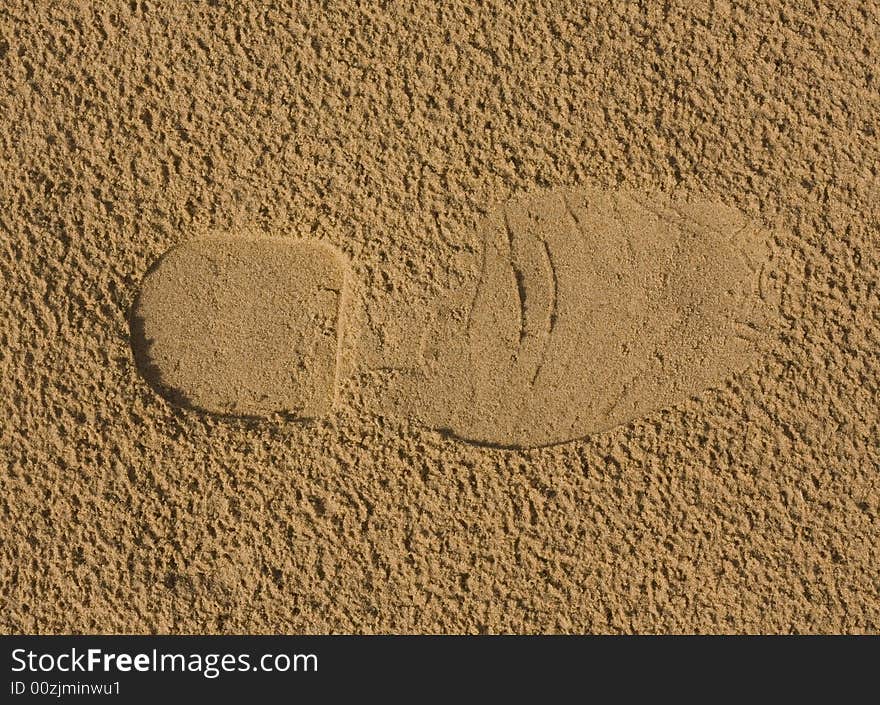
243	326
586	309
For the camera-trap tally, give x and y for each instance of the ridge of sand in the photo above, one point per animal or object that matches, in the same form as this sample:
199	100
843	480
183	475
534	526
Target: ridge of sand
589	309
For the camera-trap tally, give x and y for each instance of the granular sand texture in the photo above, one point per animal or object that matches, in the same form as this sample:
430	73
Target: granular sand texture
402	145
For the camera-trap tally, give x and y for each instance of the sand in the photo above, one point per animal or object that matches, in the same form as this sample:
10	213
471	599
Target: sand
734	490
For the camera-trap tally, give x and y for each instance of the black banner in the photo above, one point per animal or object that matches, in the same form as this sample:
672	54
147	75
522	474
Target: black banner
284	669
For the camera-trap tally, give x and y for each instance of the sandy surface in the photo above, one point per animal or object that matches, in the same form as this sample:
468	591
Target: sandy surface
391	134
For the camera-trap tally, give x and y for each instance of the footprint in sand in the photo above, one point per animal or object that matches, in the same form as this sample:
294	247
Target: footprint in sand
588	309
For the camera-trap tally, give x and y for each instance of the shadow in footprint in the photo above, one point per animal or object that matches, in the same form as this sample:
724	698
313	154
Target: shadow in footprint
141	346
